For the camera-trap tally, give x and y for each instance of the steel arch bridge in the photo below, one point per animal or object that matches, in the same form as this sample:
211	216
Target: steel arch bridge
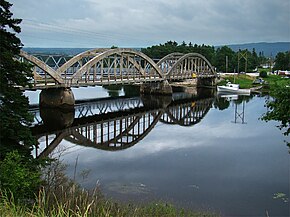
113	66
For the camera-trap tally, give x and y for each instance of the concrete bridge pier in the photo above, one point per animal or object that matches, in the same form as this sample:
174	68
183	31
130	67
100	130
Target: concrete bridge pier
57	98
159	88
206	82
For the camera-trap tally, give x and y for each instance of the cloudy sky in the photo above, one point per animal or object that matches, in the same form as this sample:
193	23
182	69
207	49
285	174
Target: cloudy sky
142	23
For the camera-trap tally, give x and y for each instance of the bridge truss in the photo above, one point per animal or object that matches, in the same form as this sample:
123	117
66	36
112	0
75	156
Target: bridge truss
113	66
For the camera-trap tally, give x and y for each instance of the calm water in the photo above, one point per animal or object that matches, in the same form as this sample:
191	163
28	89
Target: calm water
200	152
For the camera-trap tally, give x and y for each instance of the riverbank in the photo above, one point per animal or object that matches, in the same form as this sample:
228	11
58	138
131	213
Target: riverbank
61	196
246	81
74	201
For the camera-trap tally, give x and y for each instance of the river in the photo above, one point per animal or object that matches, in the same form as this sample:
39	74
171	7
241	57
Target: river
198	152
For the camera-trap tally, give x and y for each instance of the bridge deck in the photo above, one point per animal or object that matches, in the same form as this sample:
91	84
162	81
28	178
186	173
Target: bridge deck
114	66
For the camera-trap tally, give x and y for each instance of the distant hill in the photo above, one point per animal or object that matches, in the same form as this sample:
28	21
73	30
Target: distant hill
59	51
63	51
269	49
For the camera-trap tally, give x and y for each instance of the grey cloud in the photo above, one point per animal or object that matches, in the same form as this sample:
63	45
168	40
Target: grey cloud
130	23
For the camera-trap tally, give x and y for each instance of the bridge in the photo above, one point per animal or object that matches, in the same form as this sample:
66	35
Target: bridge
114	125
110	67
113	66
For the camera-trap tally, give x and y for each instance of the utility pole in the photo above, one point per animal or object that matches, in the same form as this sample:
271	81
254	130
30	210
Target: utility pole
243	55
271	63
227	64
239	61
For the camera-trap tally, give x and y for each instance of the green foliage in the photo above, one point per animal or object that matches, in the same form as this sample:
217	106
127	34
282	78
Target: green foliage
261	58
14	115
243	80
263	74
254	61
279	107
18	177
220	59
18	174
159	51
99	208
275	80
216	57
61	196
282	61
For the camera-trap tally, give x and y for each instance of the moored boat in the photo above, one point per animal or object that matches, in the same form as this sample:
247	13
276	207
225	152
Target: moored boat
232	88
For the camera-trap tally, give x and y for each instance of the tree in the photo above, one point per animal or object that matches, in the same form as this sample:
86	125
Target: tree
15	119
220	60
254	61
161	50
261	59
279	107
14	116
282	61
17	177
183	44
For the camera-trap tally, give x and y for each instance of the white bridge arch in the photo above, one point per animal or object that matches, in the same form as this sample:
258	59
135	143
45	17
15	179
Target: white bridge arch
115	66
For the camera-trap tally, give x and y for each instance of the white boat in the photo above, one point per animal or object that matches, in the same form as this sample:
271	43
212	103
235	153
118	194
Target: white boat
232	88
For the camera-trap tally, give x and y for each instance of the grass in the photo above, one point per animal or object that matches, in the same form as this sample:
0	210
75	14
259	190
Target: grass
277	80
86	205
246	81
243	80
62	197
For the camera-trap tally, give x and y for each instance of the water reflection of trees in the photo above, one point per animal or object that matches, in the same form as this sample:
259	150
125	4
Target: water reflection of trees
113	90
222	102
116	130
129	90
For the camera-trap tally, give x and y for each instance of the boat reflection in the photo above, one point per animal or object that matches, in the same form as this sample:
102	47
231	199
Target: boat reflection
115	124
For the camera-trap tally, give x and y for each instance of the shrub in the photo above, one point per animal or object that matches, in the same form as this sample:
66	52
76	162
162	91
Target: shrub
263	74
18	177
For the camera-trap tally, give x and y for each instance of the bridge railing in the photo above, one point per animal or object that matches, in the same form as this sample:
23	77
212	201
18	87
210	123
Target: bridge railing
114	66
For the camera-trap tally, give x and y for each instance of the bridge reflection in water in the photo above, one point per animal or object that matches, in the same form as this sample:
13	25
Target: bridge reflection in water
115	124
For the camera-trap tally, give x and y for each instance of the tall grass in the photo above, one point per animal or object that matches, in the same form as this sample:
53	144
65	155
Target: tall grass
63	197
83	204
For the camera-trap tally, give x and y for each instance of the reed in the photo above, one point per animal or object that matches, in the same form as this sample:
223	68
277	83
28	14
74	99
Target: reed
63	197
80	203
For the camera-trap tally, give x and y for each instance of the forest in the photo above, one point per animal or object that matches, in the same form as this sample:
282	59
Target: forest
224	59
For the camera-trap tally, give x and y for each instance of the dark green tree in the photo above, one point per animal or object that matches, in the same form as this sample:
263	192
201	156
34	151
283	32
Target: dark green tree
14	115
15	119
161	50
282	61
220	59
261	59
279	107
254	61
183	44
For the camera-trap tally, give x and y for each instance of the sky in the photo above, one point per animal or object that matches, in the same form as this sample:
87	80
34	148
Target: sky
143	23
